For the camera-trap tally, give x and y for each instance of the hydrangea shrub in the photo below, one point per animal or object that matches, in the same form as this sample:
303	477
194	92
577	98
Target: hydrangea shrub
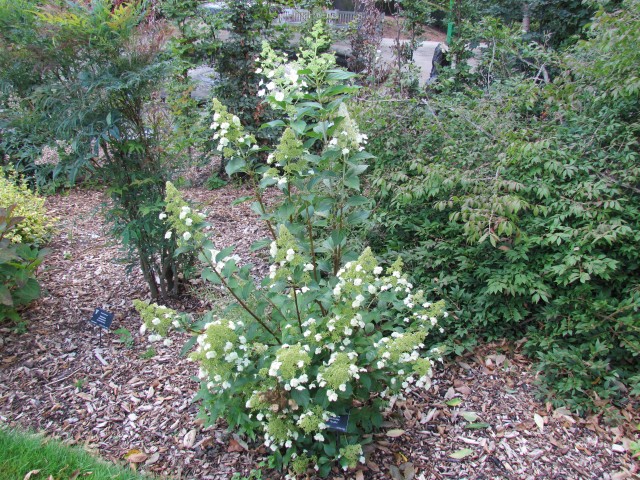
329	331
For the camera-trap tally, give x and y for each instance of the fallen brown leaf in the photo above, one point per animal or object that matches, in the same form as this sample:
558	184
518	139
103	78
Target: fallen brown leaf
137	457
234	446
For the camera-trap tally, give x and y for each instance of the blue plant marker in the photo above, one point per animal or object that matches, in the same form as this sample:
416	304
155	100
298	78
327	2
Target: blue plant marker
102	318
338	424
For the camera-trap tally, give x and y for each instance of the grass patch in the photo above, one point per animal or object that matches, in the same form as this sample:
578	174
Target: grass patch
21	453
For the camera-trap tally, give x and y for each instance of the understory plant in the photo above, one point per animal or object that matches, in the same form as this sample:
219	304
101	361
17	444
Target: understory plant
329	332
35	226
18	264
95	87
519	204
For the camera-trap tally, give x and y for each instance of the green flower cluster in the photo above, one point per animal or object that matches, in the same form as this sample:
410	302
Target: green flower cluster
185	223
157	319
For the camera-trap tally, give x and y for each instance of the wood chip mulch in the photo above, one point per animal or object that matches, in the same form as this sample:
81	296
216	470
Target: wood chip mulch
118	401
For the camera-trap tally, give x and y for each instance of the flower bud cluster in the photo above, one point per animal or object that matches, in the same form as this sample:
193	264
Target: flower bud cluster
218	262
286	256
338	372
185	222
352	454
229	132
158	320
287	162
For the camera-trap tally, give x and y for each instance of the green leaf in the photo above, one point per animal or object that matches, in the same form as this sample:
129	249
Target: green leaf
340	75
462	453
259	244
188	345
235	165
357	217
357	200
477	426
28	292
274	123
5	296
352	181
363	155
299	126
240	200
454	402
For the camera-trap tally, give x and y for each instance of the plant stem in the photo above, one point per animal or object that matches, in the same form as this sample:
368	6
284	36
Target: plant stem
243	304
295	300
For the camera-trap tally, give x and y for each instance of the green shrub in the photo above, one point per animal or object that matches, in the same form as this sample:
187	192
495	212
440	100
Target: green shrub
35	226
330	331
520	207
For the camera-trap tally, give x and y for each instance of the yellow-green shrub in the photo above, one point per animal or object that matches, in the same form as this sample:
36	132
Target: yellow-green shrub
36	226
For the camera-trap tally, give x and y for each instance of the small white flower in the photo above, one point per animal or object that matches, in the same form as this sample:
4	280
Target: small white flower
270	86
167	342
345	151
188	222
377	270
186	235
168	235
279	96
259	70
162	216
261	92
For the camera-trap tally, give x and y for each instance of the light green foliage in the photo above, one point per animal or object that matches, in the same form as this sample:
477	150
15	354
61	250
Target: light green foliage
125	336
329	327
518	203
35	225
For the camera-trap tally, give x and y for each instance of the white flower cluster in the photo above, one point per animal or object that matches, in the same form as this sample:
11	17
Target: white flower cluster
337	372
344	139
49	156
281	77
229	354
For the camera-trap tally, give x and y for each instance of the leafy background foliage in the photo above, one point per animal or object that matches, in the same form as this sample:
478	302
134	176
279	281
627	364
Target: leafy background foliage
519	205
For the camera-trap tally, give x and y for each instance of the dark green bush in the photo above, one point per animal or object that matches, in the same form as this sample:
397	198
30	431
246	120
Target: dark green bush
518	202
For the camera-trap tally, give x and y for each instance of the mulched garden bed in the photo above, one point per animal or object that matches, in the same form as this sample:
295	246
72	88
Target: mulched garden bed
129	406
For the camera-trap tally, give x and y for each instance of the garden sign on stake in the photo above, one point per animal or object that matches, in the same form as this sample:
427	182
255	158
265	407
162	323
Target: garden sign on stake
102	319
